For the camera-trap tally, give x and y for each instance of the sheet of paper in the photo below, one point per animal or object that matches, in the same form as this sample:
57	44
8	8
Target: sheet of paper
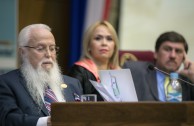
116	85
103	91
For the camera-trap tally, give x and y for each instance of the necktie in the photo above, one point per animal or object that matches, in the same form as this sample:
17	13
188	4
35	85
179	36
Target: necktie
49	97
166	82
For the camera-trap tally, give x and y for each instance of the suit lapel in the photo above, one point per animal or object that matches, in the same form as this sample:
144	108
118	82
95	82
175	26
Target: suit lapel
152	83
66	93
43	108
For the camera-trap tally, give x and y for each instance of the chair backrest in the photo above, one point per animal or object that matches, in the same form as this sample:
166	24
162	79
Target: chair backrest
133	55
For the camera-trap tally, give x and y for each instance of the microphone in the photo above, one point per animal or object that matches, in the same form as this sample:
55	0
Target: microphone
152	67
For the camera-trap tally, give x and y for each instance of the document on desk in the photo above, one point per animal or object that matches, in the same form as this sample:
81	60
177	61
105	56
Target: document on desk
116	86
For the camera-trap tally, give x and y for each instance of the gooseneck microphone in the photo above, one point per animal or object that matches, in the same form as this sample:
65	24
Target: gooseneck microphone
152	67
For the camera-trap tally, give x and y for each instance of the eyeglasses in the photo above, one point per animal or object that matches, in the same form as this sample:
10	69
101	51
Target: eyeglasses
42	49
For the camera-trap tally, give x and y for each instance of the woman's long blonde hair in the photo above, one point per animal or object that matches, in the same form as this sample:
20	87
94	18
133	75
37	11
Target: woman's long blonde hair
114	61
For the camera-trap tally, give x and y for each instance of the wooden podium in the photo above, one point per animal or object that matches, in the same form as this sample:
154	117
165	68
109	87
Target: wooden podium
122	114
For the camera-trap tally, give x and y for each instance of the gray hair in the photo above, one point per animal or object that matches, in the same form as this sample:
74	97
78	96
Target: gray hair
25	33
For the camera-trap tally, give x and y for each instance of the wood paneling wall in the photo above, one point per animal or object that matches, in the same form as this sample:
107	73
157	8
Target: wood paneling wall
56	14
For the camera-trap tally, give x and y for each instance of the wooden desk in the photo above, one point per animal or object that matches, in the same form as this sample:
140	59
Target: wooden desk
123	114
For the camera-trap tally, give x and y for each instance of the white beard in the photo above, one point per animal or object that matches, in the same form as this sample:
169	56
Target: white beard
38	79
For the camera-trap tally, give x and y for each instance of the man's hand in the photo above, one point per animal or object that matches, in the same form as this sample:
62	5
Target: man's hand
188	70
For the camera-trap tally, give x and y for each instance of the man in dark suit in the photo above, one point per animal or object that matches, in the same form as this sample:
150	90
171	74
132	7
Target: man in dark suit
170	53
22	91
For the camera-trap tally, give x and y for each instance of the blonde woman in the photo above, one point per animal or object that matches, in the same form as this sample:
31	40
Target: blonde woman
100	52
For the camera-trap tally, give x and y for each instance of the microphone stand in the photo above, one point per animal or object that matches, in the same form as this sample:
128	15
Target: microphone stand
151	67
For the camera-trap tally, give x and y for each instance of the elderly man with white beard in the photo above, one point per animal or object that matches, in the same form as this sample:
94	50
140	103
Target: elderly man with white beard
22	91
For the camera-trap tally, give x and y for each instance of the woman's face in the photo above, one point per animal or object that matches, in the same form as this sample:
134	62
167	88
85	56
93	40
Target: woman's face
102	44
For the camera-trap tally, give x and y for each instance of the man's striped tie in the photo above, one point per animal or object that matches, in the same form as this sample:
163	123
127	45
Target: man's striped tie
49	97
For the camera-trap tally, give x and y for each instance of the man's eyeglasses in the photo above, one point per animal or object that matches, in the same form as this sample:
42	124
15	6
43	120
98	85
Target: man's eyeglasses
42	49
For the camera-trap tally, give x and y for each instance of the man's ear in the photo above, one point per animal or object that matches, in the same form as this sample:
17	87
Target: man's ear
21	51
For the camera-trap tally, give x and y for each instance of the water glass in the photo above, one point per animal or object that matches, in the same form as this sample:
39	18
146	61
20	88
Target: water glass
89	98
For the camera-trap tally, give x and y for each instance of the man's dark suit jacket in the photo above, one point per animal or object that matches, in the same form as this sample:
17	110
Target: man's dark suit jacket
17	108
146	83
